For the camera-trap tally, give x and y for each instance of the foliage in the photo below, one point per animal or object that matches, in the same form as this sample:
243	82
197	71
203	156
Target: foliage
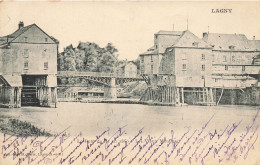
20	128
88	56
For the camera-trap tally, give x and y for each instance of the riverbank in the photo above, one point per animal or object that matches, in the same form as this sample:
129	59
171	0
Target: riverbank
17	127
123	101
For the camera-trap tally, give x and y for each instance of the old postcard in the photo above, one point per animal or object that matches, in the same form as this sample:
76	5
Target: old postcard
112	83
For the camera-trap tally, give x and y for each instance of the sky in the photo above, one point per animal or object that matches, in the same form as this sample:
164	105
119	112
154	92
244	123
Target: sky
130	26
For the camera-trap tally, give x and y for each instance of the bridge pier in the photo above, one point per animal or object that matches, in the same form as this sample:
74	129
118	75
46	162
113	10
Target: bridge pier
110	92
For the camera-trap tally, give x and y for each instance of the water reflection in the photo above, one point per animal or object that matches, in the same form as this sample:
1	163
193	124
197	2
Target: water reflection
93	118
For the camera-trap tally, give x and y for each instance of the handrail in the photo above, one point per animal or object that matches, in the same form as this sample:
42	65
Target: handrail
97	74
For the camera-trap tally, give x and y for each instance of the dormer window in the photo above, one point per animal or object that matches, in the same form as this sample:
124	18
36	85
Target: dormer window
231	47
25	39
46	39
195	44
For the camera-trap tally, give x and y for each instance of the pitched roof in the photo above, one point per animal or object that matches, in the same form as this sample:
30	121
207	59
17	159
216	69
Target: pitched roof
14	35
163	32
167	38
11	80
188	39
18	32
254	44
131	62
167	41
123	65
227	42
149	51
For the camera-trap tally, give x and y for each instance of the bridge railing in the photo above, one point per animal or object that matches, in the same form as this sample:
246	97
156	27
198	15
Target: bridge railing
94	74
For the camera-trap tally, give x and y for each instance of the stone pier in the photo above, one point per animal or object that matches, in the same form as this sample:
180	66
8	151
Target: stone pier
110	92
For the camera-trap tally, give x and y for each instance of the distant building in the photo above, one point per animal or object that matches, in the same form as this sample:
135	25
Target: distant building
28	67
127	69
130	69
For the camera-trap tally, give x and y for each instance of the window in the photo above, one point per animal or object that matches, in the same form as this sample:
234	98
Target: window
151	68
225	58
184	66
25	39
226	67
213	58
203	56
155	46
44	52
232	47
162	67
46	39
202	67
142	69
26	53
233	59
151	58
46	65
243	68
25	65
142	59
195	44
202	77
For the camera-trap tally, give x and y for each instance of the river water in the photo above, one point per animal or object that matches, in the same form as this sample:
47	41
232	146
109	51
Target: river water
92	118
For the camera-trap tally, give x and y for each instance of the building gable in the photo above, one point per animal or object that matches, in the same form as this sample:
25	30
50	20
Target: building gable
33	34
188	39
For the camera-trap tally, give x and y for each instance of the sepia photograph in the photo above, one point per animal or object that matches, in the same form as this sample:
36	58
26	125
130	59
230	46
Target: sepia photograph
129	82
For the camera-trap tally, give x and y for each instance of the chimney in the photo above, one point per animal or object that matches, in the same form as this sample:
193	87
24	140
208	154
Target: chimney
253	37
20	25
205	35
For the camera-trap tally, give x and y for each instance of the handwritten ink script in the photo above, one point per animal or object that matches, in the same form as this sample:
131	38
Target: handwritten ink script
191	146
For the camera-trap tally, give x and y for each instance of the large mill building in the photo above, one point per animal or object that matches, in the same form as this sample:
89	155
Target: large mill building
28	68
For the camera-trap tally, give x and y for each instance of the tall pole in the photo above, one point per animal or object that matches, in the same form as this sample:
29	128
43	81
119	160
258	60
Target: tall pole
187	23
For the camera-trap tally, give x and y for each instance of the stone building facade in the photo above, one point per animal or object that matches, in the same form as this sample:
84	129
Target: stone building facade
188	69
28	67
232	59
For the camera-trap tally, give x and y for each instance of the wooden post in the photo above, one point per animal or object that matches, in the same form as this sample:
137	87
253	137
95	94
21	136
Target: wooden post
49	96
19	95
182	96
11	102
211	95
199	93
178	95
207	95
203	95
55	95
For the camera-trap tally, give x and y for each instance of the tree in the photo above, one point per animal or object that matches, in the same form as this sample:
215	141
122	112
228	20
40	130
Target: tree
88	57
